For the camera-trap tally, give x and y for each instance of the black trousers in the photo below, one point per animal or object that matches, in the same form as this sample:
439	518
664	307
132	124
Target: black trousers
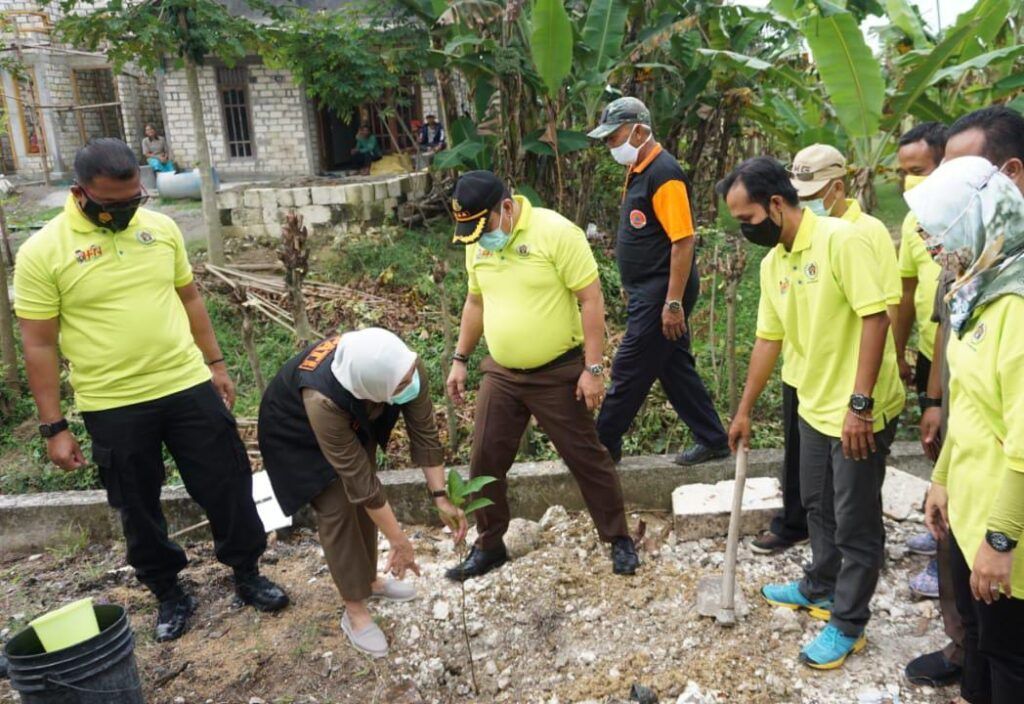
993	641
200	433
791	522
645	355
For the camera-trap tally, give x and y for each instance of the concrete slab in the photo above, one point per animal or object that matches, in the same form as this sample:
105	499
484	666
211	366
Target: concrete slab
903	494
702	510
32	522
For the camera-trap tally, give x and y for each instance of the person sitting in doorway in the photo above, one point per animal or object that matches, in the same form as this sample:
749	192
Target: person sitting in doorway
154	149
366	151
432	137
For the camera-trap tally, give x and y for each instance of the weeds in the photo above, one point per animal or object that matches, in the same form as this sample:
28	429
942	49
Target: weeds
71	540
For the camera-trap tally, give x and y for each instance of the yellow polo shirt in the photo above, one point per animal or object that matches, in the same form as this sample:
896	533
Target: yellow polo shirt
123	327
812	299
916	263
985	438
531	314
881	244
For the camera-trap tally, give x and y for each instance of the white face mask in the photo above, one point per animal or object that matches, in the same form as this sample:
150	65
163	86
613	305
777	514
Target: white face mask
626	154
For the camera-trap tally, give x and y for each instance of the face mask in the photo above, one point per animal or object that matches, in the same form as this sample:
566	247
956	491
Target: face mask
409	393
626	154
113	217
912	181
765	233
495	240
817	206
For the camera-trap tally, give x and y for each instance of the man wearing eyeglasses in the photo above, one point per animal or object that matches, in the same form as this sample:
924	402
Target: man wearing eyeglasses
109	284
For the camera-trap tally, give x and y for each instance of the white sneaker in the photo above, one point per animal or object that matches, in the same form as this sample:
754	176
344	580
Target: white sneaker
370	640
395	590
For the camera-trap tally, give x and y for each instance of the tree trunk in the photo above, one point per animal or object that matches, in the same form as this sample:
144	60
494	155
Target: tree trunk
214	236
295	256
239	297
8	348
6	237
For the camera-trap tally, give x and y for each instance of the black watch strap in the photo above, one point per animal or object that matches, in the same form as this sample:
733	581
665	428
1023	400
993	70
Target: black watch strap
459	357
929	402
437	493
48	430
1000	542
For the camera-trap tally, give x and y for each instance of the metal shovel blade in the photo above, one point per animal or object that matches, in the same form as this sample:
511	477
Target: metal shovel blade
716	594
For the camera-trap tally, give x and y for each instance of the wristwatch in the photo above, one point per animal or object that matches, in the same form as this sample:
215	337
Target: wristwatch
929	402
48	430
595	369
437	493
859	403
459	357
674	306
1000	542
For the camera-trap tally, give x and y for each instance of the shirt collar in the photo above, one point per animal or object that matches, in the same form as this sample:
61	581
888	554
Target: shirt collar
525	212
803	234
655	151
853	211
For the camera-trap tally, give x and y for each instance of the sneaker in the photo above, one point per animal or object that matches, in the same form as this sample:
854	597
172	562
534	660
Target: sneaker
624	557
831	648
771	544
172	617
922	544
926	582
932	670
697	453
789	596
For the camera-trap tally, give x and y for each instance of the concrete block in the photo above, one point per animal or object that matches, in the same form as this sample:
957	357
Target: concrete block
285	198
270	214
268	198
251	198
902	494
321	195
702	510
315	214
353	193
339	195
228	200
380	190
394	187
300	197
366	193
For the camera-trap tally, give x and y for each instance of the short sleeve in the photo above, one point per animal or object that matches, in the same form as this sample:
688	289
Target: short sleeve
182	267
907	264
573	259
672	208
769	324
888	265
861	281
473	283
36	296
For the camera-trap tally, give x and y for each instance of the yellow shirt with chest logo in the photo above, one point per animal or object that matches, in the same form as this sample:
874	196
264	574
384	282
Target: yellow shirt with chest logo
882	246
531	315
985	438
123	327
812	299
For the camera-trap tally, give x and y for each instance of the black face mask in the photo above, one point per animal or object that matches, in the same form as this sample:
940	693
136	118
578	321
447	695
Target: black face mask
765	233
113	217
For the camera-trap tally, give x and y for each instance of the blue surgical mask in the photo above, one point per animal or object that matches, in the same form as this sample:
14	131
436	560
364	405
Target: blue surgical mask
409	393
817	206
495	240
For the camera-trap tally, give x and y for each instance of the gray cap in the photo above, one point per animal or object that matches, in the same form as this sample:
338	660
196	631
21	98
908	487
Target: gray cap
621	111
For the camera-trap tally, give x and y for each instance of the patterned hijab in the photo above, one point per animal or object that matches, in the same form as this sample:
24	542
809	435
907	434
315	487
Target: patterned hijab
972	219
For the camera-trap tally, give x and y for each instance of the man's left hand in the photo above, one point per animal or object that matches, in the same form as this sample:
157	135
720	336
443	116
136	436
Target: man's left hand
673	323
222	382
591	389
858	437
990	573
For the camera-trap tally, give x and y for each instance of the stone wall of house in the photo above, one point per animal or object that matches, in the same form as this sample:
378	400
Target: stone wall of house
327	207
278	120
140	106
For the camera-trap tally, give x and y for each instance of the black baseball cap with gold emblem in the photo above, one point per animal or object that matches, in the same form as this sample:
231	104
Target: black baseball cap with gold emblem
475	195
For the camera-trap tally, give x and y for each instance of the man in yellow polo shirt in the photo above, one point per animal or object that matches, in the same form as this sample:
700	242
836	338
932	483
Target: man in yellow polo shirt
821	294
530	270
109	285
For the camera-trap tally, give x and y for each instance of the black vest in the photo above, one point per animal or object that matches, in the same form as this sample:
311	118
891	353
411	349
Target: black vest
297	468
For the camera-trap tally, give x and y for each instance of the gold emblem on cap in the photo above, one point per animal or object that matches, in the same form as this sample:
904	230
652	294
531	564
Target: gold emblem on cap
456	205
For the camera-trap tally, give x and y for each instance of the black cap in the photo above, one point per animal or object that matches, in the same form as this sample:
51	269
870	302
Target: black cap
475	195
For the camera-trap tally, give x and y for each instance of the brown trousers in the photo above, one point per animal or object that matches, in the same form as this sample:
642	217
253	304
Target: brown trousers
951	622
349	538
505	403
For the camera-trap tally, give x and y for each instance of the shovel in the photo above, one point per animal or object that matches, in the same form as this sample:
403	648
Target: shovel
716	594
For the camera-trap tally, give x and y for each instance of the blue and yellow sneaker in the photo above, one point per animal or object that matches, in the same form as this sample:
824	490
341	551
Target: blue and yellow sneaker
789	596
831	648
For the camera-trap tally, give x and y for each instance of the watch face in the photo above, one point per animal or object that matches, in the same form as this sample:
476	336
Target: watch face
999	541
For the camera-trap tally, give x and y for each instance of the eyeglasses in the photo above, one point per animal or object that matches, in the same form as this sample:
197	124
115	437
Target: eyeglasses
136	202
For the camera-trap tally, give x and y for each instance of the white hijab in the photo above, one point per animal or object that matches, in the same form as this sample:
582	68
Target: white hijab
371	363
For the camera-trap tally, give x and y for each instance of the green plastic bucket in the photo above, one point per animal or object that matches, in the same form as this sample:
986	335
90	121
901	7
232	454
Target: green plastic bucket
69	625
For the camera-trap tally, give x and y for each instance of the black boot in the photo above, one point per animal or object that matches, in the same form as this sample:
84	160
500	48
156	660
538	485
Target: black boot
253	588
479	563
172	617
624	557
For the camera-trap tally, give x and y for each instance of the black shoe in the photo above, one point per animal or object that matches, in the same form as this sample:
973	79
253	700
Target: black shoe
253	588
932	670
771	544
479	563
3	667
624	557
172	617
695	454
616	453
